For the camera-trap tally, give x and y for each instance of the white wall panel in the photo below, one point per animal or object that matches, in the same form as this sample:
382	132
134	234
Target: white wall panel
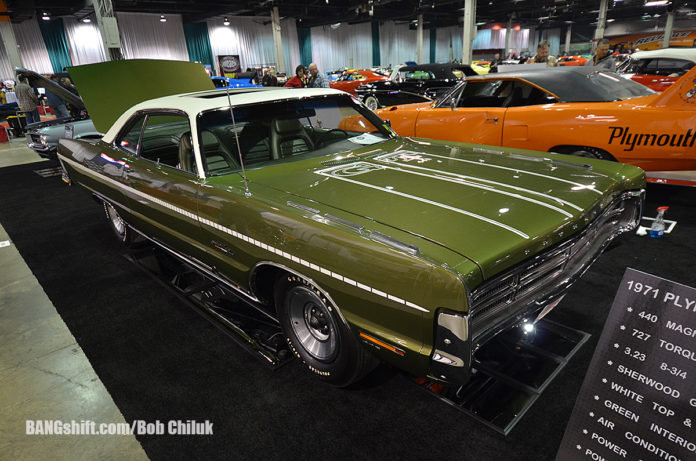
84	41
345	46
32	48
143	36
397	44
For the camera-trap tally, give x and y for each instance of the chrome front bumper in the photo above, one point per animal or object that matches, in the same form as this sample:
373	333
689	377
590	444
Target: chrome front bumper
520	293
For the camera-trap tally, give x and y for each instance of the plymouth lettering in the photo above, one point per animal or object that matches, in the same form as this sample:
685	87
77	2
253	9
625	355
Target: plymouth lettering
624	137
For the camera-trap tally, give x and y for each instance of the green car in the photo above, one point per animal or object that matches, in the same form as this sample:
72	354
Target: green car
362	244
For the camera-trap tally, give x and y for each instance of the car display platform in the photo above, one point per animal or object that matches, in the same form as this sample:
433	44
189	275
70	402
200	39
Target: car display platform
248	325
510	373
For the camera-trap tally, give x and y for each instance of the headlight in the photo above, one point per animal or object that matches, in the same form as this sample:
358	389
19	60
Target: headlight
42	139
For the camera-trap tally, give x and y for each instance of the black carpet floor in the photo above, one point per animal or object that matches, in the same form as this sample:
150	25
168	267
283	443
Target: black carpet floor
162	361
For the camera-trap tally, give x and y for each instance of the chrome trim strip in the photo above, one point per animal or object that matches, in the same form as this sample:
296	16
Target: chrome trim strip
385	158
328	172
294	272
250	240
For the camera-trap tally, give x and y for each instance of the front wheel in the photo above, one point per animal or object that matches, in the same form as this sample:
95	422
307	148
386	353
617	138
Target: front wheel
317	335
118	225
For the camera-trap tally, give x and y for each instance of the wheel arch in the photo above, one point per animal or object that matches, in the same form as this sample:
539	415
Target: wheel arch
265	274
569	149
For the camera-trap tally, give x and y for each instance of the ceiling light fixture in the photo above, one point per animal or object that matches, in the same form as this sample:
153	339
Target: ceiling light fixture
162	18
86	20
226	22
656	3
611	20
45	16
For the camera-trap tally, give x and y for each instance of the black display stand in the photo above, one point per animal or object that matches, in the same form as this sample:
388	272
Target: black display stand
248	325
510	373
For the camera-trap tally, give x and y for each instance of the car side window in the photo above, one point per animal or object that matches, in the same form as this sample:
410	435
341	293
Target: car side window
129	141
166	140
524	94
492	93
673	67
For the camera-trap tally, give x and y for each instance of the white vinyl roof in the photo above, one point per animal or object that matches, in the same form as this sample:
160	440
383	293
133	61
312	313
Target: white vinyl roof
676	53
195	103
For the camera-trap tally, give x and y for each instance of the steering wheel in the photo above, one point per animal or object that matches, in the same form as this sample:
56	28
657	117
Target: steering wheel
320	138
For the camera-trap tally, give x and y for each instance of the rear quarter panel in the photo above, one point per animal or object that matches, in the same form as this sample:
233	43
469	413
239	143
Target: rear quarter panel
667	141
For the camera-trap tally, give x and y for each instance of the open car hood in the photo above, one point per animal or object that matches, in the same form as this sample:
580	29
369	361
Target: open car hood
39	81
110	88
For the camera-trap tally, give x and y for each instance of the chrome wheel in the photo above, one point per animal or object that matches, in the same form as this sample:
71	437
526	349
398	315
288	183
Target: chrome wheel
313	324
119	225
372	103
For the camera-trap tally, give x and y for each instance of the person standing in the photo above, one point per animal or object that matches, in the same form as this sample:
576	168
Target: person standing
602	58
299	80
543	56
316	78
56	103
27	100
494	63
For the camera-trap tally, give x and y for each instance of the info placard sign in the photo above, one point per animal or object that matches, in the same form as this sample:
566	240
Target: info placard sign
638	400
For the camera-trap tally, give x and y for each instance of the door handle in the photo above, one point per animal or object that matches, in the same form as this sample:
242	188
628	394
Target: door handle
493	119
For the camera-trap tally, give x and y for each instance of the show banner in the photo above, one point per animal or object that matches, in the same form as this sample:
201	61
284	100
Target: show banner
229	65
643	42
638	400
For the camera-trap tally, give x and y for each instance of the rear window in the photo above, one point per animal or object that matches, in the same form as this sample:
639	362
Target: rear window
617	87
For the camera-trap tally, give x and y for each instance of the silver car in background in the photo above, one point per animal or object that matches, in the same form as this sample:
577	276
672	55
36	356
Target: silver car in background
43	136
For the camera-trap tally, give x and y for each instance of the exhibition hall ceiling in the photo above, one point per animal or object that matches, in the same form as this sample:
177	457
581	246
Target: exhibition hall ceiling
436	13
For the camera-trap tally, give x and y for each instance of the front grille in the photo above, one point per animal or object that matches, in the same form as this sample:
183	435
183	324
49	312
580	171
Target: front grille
35	138
538	280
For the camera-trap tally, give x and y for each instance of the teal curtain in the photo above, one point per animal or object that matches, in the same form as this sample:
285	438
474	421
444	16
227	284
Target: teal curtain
304	37
433	44
198	43
53	34
376	57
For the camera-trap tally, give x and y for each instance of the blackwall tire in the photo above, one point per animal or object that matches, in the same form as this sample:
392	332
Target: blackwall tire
589	152
372	103
317	335
118	225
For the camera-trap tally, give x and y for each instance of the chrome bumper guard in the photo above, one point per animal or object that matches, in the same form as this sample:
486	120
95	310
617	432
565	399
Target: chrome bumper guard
519	293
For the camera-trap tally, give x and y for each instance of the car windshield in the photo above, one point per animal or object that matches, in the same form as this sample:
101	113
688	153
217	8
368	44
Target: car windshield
283	131
620	88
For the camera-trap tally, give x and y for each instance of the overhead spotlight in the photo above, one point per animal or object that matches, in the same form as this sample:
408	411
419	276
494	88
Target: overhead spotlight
86	20
611	20
656	3
226	22
45	16
162	18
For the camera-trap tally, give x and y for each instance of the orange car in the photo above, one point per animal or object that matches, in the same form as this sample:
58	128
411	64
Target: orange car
572	61
349	81
571	110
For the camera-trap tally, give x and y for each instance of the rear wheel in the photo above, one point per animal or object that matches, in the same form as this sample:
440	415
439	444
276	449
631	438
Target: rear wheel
317	335
372	103
118	225
584	151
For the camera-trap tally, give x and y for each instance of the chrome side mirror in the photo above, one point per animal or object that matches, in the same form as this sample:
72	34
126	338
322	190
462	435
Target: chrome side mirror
453	103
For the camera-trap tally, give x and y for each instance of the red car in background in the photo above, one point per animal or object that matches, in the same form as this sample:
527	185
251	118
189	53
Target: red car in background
658	69
349	81
572	61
